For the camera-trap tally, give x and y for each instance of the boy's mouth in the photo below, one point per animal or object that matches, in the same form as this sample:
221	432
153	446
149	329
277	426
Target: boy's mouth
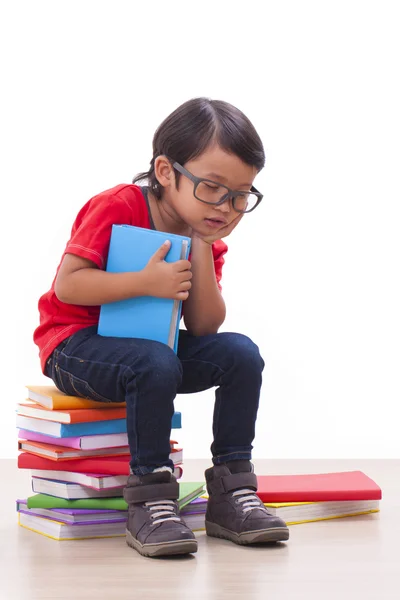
215	223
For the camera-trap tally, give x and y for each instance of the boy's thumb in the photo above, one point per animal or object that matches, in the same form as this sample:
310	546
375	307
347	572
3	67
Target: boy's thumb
162	252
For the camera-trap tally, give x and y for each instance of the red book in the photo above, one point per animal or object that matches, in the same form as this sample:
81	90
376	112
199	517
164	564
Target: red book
115	465
110	465
321	487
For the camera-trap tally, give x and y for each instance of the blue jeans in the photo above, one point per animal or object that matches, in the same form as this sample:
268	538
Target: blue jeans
148	375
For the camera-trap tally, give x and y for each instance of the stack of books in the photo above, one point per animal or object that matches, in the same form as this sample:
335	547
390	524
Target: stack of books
305	498
77	450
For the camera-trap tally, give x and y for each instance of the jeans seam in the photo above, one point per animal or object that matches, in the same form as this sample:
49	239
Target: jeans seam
97	362
71	377
232	453
133	407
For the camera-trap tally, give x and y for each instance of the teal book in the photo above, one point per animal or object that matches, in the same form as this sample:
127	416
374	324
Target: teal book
145	317
61	430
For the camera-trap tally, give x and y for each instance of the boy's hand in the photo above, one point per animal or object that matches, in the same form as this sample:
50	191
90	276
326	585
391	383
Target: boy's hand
221	233
167	280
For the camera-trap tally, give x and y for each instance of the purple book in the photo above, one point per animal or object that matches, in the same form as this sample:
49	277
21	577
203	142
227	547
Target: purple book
195	507
71	516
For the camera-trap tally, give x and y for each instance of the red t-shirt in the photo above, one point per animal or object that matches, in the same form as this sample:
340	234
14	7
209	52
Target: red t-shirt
124	204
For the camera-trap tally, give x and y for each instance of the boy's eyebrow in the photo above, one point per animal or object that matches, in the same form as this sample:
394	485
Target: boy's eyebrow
224	180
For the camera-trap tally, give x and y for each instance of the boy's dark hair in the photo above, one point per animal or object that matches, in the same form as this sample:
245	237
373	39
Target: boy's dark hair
189	130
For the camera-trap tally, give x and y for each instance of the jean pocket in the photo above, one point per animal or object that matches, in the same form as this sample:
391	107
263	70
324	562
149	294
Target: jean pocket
74	386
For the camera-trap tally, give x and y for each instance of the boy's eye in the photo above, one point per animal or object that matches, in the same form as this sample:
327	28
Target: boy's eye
210	186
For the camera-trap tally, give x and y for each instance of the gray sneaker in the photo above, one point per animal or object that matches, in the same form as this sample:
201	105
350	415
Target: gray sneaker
154	527
234	511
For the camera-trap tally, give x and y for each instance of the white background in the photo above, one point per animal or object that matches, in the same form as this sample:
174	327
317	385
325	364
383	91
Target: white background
312	275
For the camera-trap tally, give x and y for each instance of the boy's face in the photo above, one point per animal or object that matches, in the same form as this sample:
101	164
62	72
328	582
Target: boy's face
219	166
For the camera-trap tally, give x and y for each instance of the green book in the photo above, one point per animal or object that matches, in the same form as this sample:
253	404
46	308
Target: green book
188	491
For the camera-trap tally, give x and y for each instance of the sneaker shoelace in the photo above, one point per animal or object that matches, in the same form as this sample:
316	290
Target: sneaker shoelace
162	510
249	500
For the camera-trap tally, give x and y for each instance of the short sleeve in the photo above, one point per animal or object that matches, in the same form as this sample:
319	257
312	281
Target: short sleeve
219	249
91	232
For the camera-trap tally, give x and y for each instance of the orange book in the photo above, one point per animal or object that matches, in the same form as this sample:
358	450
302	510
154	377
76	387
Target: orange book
50	397
56	452
71	416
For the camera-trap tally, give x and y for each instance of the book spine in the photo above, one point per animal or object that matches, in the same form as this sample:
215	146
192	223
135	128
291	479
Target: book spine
73	442
176	311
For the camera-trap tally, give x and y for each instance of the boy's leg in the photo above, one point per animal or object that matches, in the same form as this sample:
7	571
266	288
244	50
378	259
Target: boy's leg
233	364
146	375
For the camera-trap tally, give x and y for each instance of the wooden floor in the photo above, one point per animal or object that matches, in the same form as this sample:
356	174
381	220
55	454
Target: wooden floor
357	557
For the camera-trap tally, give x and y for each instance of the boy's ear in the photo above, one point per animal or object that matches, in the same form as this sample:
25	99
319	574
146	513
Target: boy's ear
164	171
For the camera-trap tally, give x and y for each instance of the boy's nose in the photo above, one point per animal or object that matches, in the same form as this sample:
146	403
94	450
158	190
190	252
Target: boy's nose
225	207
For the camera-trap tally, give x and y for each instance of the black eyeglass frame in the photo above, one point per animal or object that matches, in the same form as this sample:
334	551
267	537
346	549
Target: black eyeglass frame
231	194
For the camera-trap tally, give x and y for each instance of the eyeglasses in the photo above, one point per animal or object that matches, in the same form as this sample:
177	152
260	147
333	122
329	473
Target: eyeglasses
212	192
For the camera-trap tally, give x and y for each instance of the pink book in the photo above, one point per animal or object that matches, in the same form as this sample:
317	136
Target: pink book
72	442
86	442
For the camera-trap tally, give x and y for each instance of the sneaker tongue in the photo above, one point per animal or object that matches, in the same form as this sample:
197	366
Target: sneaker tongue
240	466
158	477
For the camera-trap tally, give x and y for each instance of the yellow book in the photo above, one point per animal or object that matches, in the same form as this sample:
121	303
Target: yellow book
50	397
353	514
63	532
294	513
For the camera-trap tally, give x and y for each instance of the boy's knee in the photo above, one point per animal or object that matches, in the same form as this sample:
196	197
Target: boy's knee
164	365
242	349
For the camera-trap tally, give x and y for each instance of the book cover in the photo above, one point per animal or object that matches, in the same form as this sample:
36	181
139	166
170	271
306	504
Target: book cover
60	453
76	415
56	453
62	531
144	317
50	397
87	442
71	491
306	512
110	465
187	492
91	481
74	516
55	429
348	485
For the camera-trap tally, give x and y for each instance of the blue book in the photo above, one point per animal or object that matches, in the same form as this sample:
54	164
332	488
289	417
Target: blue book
60	430
143	317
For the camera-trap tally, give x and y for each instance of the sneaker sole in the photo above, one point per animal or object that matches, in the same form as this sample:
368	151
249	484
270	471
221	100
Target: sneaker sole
276	534
162	549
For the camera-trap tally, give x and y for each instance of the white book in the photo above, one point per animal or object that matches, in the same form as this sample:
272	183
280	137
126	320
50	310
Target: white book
71	491
96	482
108	440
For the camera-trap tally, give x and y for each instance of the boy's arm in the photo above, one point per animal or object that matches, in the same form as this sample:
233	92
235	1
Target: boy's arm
205	308
80	281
